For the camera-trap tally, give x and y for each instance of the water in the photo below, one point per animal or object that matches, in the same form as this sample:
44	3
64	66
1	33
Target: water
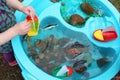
47	60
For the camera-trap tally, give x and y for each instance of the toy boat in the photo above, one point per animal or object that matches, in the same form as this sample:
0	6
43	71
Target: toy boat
33	19
63	71
106	34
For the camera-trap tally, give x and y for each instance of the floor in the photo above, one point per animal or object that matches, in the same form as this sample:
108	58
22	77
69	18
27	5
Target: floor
116	3
9	73
14	73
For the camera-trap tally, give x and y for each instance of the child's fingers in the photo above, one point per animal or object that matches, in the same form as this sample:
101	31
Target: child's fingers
25	22
29	10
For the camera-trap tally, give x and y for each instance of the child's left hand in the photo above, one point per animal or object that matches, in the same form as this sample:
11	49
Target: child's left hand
27	10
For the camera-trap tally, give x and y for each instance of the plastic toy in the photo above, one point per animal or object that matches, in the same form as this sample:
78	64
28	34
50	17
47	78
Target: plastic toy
63	71
106	34
49	27
33	19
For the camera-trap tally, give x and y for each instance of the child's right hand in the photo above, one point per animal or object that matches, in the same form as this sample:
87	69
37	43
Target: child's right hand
22	27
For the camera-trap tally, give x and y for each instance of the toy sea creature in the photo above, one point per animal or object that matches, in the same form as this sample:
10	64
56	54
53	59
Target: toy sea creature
102	61
76	19
48	27
79	66
76	48
106	34
87	8
63	71
33	19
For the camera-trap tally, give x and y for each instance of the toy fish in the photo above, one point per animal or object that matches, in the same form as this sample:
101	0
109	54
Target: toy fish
48	27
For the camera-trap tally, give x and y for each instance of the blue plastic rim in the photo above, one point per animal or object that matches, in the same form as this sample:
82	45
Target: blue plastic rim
45	9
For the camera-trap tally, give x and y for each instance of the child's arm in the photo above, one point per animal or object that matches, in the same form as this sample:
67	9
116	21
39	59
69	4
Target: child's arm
15	4
19	6
18	29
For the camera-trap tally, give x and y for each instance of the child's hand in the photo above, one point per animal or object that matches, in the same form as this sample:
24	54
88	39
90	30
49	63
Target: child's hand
22	27
27	10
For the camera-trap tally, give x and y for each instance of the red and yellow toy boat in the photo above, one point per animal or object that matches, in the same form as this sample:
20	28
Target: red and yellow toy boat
106	34
33	19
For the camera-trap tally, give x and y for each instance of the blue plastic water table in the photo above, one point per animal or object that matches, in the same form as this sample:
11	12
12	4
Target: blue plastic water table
49	12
